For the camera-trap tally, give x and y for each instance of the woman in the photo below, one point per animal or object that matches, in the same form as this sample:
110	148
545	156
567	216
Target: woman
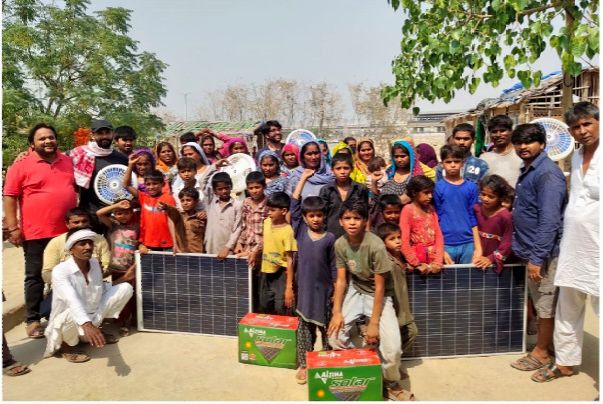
234	145
290	159
209	147
427	171
427	155
166	160
311	158
403	167
324	148
364	153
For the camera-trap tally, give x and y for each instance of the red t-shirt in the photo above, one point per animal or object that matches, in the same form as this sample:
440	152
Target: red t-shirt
46	191
154	230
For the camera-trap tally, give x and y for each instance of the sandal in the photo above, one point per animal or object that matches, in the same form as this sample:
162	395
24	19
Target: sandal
34	330
399	394
75	357
529	363
548	373
301	376
124	331
16	369
110	339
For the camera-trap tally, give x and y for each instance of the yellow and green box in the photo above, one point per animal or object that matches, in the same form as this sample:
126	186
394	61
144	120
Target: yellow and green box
268	340
347	375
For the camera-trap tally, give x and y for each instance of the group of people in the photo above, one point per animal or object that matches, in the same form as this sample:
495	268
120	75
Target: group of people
329	233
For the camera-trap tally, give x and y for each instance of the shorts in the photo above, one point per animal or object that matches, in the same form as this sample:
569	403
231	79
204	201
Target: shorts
544	293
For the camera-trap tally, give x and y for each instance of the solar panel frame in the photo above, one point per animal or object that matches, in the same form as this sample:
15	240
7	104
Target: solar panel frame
209	299
424	334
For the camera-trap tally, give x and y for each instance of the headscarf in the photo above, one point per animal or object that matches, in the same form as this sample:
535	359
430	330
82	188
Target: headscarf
199	150
427	155
146	151
415	166
84	234
225	149
361	165
272	154
289	148
216	156
355	175
328	157
321	177
161	166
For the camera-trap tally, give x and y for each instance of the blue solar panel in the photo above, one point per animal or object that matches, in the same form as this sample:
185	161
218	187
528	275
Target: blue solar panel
466	311
191	293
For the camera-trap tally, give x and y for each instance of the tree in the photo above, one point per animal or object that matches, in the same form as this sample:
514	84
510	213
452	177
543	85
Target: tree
367	105
455	44
324	106
65	67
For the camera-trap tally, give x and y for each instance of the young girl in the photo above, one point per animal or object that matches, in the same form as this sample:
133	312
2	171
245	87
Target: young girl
404	166
422	240
123	236
290	157
494	222
270	167
324	148
141	162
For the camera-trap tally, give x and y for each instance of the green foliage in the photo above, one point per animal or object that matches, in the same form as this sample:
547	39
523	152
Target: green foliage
65	67
455	44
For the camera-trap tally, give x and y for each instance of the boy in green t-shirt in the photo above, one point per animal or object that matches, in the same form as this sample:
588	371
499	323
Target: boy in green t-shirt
364	256
276	277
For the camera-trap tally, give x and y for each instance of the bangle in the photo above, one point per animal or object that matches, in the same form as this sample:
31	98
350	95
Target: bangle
13	229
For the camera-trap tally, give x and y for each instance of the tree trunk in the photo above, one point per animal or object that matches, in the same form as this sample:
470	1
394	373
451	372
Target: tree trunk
567	86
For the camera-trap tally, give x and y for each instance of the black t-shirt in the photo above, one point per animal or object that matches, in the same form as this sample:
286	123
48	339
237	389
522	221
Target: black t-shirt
88	199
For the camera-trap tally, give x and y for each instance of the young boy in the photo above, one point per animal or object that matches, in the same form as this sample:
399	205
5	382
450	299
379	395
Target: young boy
361	256
187	169
340	190
223	216
188	222
454	198
390	234
156	231
123	235
276	278
388	210
374	182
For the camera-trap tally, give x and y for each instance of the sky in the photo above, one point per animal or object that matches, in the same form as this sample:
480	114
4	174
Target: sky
210	44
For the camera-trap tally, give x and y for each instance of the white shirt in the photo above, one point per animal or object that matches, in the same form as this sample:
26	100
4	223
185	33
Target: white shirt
71	292
578	265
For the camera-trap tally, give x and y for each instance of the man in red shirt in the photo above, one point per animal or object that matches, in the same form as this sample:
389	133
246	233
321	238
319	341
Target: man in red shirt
41	187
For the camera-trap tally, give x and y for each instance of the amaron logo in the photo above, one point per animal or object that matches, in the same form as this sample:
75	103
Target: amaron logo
327	374
254	331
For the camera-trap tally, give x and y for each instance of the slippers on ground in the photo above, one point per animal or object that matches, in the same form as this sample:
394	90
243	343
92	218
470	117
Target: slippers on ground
529	363
75	357
124	331
546	374
399	394
110	338
34	330
16	369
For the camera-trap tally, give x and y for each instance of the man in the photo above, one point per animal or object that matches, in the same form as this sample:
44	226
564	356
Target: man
578	273
350	141
81	300
474	169
125	138
502	160
272	132
540	198
88	160
188	137
40	186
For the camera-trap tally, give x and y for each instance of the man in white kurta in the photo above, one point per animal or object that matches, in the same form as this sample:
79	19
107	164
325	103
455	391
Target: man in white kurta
578	267
81	300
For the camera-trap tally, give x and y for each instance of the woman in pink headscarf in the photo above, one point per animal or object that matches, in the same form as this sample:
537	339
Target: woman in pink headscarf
290	159
234	145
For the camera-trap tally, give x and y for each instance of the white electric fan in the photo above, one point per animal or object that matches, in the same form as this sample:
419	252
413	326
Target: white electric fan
559	142
108	184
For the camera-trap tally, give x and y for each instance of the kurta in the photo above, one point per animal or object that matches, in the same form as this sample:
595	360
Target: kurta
495	234
578	265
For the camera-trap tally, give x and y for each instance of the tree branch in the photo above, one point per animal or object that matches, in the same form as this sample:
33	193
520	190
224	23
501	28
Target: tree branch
541	8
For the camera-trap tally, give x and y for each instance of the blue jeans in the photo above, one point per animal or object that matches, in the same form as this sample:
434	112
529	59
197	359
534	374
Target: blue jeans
461	253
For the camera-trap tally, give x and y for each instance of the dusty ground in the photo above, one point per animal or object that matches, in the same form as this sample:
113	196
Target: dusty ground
153	366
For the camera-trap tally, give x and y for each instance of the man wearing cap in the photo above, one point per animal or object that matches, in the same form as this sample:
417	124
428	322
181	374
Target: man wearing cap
81	300
88	160
38	190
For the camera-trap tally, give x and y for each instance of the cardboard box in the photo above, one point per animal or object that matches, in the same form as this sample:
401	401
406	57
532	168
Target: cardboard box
347	375
268	340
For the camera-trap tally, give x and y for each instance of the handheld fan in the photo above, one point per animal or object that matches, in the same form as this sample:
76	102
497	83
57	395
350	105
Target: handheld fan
559	142
239	166
108	184
300	136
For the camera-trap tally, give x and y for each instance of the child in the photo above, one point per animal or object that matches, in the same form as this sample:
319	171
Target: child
187	168
342	189
390	234
377	178
223	215
189	223
315	276
276	278
123	236
141	162
454	198
494	222
361	256
290	157
156	231
388	210
270	166
422	240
